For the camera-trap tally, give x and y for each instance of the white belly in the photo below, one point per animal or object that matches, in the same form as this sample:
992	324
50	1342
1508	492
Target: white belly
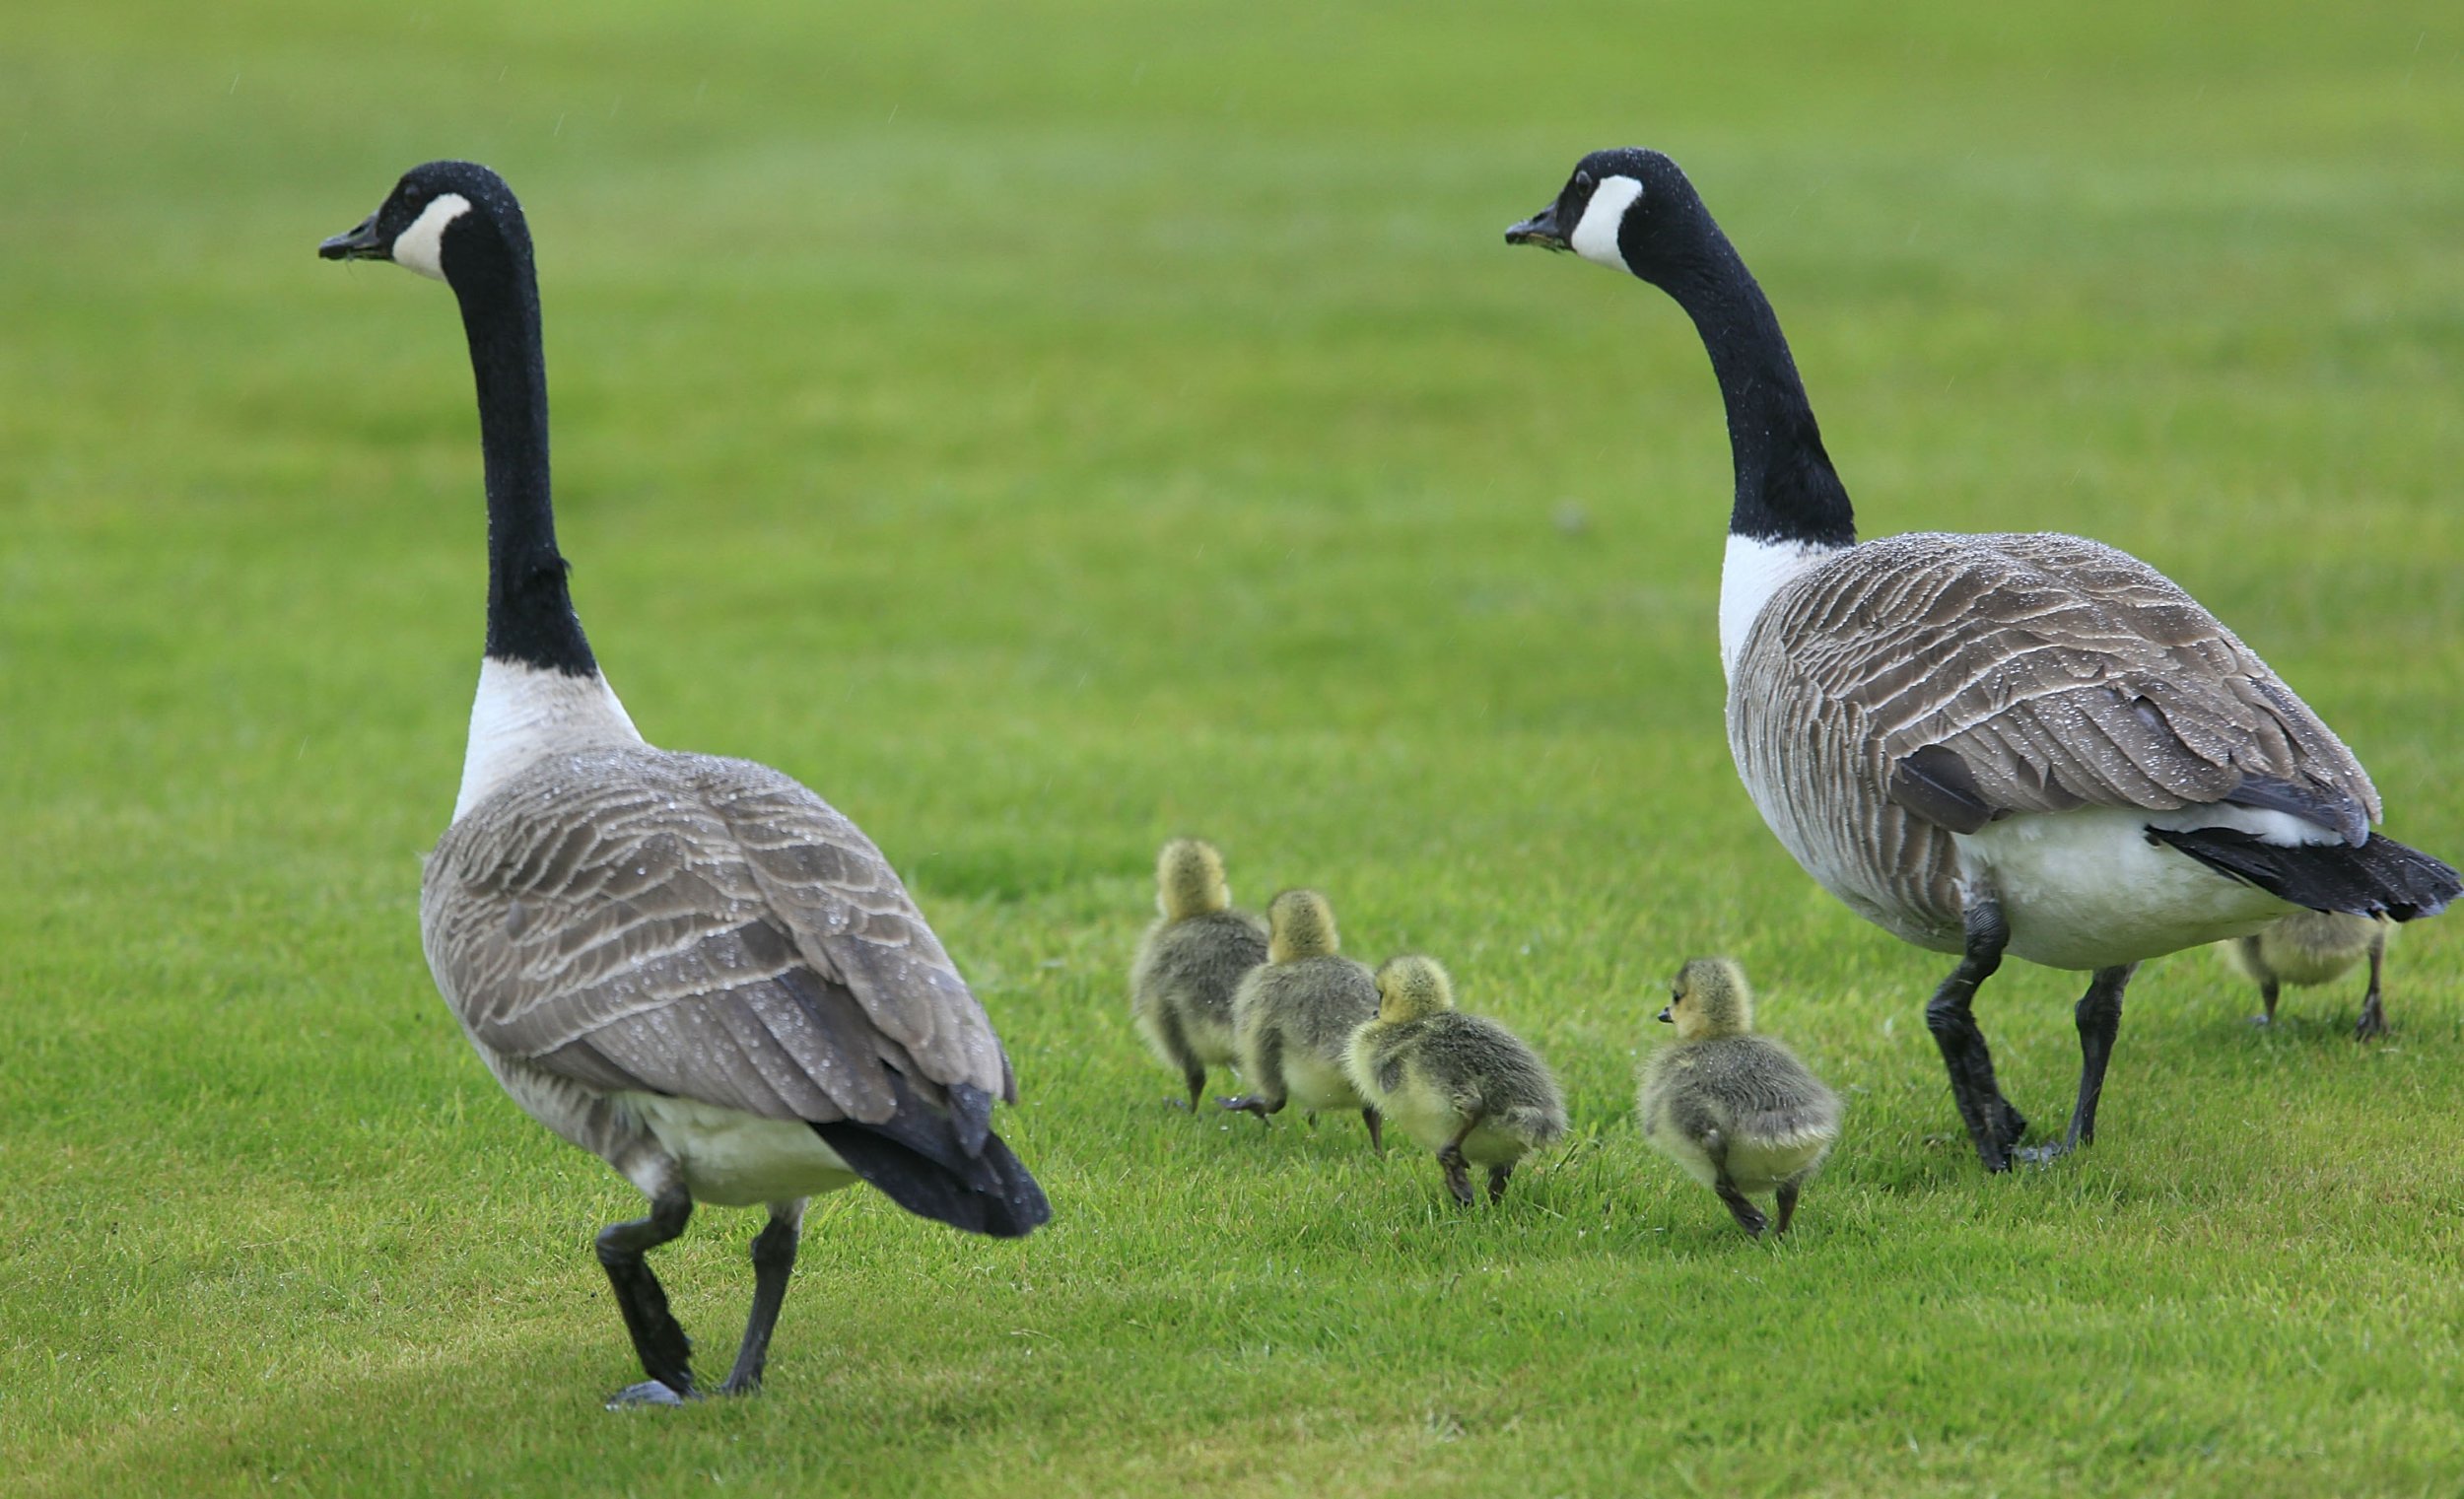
736	1159
2086	889
1753	1166
1315	1084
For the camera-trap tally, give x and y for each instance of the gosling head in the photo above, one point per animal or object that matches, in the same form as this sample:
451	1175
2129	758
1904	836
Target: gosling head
1188	879
1630	209
450	221
1412	987
1710	998
1300	925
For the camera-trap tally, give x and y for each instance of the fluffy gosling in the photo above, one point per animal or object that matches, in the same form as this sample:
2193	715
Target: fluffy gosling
1462	1086
1738	1111
1190	962
1294	1016
2313	947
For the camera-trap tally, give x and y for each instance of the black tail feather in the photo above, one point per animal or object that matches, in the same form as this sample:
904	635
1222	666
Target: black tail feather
942	1164
2381	877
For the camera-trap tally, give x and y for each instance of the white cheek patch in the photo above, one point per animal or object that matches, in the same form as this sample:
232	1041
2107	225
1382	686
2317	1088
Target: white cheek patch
1596	237
421	247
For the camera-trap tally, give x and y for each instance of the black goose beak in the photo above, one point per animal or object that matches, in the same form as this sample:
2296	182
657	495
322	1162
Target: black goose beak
1664	1017
359	244
1541	229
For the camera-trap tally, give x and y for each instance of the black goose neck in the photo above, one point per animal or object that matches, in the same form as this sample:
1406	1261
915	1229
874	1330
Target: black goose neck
530	613
1786	488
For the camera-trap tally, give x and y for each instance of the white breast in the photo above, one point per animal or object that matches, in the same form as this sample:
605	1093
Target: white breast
1749	574
523	713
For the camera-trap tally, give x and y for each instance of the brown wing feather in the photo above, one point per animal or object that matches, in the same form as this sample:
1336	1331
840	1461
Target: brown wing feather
631	918
2059	671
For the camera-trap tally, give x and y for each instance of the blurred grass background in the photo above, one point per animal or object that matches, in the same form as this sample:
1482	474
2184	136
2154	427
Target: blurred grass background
1045	427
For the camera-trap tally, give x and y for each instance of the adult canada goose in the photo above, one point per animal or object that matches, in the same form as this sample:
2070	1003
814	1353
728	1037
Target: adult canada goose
691	967
1464	1086
1736	1109
2311	947
1190	962
2030	744
1294	1014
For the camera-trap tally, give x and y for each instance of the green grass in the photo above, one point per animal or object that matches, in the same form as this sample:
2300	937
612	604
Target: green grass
1045	429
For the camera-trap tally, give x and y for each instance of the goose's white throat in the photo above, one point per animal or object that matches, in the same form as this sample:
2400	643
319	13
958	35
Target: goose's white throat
1594	237
1753	570
524	714
421	247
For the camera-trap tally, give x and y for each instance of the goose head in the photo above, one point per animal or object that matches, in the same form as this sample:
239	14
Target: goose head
1410	988
1709	998
1630	209
442	220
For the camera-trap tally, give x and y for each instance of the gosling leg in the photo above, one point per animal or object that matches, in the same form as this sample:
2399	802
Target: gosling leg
1176	1044
1787	1196
1377	1130
1266	1091
1497	1183
2374	1020
1450	1156
659	1340
1748	1217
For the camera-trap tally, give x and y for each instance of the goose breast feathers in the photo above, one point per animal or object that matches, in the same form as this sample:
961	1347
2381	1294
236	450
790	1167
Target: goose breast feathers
635	919
1924	685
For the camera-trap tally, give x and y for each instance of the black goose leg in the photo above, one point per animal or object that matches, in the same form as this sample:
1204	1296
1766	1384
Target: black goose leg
1376	1131
666	1354
2099	1015
2374	1020
1993	1124
773	1257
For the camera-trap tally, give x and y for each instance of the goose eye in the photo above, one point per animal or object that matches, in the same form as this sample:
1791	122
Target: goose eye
1581	180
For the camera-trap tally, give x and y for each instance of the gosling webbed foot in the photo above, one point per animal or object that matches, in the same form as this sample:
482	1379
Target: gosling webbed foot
1458	1175
648	1392
1497	1183
1250	1103
1741	1208
2372	1024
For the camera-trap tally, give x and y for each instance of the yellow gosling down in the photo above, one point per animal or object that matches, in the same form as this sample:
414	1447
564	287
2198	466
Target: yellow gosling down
1738	1111
2311	947
1293	1015
1190	962
1464	1086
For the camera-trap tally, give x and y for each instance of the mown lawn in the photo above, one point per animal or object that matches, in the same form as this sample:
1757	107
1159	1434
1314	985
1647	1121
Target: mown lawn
1048	428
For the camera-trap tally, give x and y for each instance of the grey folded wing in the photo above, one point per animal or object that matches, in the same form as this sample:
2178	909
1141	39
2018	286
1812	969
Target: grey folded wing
708	928
2041	672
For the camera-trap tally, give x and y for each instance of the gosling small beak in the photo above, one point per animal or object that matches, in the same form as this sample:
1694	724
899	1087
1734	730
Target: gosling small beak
1667	1015
1541	229
359	244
